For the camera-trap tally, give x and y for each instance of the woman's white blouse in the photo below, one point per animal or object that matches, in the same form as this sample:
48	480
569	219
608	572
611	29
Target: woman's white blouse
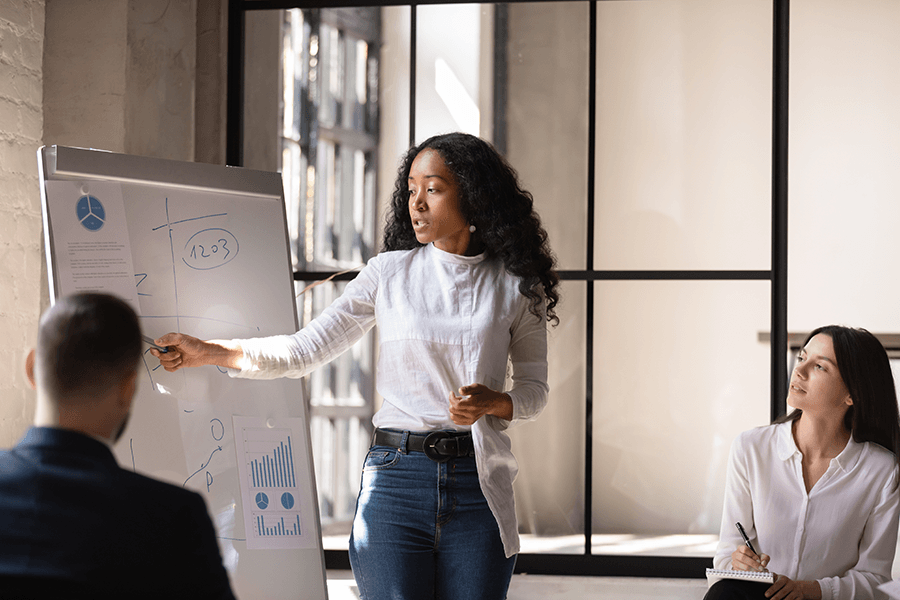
842	534
444	321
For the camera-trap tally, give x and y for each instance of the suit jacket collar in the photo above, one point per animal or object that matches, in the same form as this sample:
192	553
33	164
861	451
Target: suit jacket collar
66	440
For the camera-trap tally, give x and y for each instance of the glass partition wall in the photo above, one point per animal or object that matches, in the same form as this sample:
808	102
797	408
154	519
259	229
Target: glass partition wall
649	134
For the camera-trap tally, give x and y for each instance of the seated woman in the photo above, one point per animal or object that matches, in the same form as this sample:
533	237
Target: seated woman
817	491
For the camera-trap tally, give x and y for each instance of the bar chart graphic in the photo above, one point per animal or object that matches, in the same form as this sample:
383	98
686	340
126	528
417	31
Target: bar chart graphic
277	526
270	467
267	467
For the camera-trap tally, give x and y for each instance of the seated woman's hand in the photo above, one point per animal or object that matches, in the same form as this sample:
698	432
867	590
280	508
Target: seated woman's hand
744	559
786	588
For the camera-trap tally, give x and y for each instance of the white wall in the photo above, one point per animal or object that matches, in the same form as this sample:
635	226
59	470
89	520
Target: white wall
844	194
21	123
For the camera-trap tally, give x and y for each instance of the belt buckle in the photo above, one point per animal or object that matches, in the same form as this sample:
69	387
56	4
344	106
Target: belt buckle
429	446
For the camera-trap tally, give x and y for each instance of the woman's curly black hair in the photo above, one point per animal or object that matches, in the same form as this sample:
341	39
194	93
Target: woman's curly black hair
491	199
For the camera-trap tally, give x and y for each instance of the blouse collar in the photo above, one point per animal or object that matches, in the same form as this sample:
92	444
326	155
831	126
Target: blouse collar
453	258
787	448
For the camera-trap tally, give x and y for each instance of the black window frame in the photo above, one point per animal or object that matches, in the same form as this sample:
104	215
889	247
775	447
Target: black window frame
586	563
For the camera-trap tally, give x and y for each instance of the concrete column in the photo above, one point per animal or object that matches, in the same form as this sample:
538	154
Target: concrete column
21	41
119	76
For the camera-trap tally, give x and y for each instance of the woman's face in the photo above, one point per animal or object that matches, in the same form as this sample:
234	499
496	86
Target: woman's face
816	384
434	204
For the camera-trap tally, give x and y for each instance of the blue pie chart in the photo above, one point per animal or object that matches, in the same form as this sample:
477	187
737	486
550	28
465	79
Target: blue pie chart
287	500
90	213
262	500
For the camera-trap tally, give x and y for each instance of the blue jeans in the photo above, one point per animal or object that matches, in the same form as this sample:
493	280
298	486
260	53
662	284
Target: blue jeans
423	530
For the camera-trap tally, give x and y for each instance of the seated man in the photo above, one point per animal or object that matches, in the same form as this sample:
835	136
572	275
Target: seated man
72	522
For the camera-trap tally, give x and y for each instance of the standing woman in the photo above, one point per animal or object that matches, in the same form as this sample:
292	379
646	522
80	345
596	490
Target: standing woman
461	292
817	492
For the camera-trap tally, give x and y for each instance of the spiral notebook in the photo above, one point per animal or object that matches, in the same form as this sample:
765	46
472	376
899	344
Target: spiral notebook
714	575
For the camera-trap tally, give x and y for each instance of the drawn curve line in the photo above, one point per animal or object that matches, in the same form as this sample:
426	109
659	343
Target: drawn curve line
203	466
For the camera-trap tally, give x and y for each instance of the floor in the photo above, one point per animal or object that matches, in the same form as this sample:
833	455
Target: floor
619	544
550	587
543	587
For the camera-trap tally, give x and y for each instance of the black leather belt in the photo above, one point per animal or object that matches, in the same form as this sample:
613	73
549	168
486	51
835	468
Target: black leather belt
439	446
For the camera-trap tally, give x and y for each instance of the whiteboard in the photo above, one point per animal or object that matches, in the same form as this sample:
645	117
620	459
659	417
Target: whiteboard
210	258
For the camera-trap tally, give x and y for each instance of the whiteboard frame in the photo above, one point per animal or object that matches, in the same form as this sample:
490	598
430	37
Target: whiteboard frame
63	163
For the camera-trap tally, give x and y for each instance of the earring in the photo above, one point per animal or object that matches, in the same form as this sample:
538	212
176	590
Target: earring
471	229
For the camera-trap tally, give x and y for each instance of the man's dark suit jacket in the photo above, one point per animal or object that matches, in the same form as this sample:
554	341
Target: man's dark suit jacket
75	524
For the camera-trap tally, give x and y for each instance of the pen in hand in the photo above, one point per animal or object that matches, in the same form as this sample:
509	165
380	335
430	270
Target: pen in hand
743	533
152	343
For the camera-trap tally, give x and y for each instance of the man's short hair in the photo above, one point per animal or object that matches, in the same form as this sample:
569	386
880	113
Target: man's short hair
86	344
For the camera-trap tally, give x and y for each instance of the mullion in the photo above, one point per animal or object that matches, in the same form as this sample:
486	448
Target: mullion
589	299
779	341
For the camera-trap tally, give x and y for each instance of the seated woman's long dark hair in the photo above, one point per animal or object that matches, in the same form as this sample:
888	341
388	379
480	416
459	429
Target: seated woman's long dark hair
864	366
492	200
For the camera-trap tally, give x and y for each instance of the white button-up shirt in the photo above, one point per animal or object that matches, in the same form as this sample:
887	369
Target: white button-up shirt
444	321
842	533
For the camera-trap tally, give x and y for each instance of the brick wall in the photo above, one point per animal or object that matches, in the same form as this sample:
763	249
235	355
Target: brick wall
21	267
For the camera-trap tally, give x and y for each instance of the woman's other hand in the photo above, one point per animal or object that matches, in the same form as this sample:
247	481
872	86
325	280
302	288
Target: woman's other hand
476	400
744	559
188	351
786	588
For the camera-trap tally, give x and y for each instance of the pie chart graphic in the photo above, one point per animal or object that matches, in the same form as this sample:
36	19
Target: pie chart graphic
90	212
287	500
262	500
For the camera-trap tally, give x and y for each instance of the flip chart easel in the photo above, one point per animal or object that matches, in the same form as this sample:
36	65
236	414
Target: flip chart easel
207	248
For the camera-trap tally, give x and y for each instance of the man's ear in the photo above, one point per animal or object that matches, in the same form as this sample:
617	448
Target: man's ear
29	369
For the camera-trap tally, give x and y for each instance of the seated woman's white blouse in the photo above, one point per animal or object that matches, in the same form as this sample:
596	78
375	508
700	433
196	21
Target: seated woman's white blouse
842	534
444	321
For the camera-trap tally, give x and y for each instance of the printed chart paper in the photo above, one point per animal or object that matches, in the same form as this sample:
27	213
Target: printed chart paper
91	240
269	470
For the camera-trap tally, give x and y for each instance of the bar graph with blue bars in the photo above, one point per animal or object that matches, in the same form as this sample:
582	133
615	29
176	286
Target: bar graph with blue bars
275	469
279	526
272	478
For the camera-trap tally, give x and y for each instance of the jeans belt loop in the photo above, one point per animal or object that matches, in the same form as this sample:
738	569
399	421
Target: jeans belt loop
404	443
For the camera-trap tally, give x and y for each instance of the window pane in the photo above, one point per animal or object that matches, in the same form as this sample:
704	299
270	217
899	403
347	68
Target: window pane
684	96
547	117
330	73
844	149
340	398
679	371
393	80
550	450
452	81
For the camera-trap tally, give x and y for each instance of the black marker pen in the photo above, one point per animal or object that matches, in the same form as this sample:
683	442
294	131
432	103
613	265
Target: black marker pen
150	341
743	533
